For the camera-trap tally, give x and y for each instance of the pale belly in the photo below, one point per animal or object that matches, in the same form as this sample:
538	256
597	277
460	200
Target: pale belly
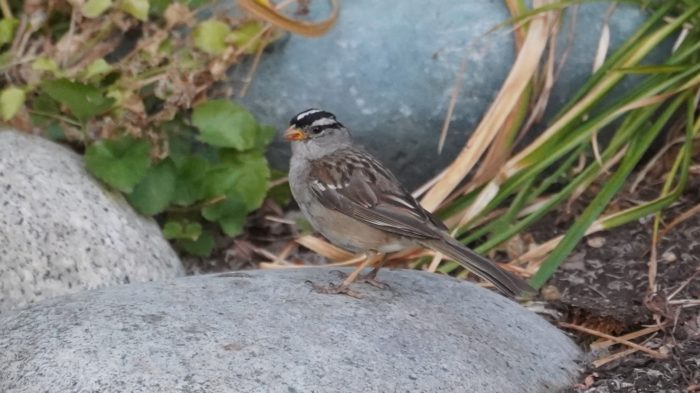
338	228
353	235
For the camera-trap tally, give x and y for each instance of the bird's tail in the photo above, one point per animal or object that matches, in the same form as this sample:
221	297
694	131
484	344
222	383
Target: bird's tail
482	267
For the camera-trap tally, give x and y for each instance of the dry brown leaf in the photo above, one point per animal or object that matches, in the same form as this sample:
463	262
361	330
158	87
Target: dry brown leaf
177	14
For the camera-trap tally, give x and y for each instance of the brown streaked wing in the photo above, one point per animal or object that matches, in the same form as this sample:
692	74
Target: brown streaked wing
356	184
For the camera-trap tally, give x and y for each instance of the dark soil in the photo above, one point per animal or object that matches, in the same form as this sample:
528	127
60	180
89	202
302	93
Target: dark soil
605	287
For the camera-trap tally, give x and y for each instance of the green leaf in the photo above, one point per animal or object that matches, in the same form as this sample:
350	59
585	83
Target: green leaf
225	124
44	110
243	35
218	181
280	193
6	59
251	174
7	30
84	101
121	163
155	190
264	136
55	132
244	175
44	63
210	36
136	8
96	68
230	214
201	247
194	4
11	99
189	186
158	7
182	230
95	8
232	225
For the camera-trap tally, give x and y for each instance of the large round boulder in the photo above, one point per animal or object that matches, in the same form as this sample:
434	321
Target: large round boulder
267	331
61	231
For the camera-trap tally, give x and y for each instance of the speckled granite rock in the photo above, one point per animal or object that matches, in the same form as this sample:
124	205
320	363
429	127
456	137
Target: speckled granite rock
62	232
266	331
387	69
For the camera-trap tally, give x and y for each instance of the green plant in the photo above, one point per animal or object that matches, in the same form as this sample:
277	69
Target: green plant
129	82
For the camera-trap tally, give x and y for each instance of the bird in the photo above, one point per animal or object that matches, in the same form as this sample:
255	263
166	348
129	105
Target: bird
356	203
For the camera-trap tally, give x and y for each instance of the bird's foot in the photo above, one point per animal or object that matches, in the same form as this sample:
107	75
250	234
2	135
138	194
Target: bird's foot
369	278
335	289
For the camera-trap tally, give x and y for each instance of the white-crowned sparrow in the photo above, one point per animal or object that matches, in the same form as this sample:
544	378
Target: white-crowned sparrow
357	204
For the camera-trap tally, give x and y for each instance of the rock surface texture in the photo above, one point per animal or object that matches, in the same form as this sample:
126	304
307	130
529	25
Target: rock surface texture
387	70
62	232
266	331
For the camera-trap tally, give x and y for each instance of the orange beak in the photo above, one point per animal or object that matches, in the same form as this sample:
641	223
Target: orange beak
294	134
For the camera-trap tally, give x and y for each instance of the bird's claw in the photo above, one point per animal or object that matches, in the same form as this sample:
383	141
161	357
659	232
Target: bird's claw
334	289
369	278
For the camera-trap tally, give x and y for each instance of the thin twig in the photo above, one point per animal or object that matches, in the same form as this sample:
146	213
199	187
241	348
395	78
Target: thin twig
678	220
630	336
453	98
683	285
277	182
249	78
650	352
612	357
653	162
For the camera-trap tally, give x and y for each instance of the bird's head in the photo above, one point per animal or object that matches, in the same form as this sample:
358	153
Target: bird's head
315	125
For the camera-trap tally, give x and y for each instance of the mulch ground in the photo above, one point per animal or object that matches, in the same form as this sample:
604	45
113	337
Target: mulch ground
604	285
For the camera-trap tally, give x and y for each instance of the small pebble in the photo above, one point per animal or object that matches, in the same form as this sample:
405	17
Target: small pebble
669	256
595	242
550	293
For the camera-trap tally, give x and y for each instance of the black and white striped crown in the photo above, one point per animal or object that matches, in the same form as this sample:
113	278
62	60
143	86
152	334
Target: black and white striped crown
314	118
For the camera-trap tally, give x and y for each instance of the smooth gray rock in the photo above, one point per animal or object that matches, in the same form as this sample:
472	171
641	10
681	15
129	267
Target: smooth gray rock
266	331
62	232
387	69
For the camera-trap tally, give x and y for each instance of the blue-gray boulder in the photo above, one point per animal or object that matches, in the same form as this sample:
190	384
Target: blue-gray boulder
388	67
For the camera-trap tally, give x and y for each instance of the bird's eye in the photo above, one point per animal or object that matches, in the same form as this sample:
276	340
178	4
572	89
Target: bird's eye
316	130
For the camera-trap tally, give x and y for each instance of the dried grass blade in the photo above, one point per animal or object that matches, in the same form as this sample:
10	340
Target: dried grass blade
604	41
435	262
302	28
352	261
324	248
524	68
519	161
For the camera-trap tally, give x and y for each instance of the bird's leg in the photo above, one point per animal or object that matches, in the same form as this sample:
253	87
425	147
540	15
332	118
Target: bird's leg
371	277
344	287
